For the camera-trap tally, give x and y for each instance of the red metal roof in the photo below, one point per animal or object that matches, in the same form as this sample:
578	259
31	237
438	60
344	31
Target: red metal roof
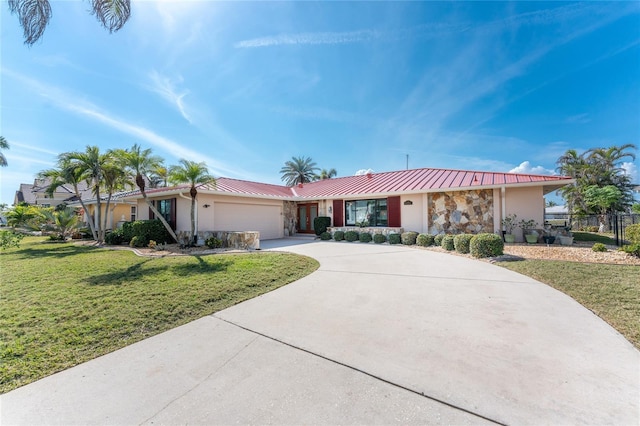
398	182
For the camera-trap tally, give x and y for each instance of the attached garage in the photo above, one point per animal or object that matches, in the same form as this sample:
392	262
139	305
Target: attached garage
266	219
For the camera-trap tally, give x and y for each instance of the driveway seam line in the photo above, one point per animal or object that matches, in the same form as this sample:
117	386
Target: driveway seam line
350	367
198	384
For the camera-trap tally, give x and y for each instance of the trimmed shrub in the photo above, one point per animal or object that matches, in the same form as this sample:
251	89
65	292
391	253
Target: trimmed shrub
447	242
351	236
409	238
213	242
424	240
437	240
486	245
365	237
379	238
146	230
115	237
394	238
320	224
632	233
632	249
599	247
325	236
338	235
461	243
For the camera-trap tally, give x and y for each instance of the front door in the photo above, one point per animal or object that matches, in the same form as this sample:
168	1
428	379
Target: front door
306	214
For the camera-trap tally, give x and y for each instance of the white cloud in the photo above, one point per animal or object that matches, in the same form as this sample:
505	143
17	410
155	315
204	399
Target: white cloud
526	168
362	172
165	87
631	170
578	119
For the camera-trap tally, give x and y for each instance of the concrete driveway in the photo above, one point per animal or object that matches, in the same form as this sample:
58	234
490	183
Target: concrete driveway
379	334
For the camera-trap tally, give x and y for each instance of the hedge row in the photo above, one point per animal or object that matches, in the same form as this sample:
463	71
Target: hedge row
480	245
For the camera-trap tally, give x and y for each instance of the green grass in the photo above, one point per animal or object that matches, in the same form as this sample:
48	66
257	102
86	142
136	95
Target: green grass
63	304
593	237
611	291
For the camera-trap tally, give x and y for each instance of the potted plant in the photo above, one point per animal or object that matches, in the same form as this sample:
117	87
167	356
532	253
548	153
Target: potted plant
566	238
549	236
528	230
508	223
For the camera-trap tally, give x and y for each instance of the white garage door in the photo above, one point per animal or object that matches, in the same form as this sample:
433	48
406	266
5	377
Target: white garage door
248	217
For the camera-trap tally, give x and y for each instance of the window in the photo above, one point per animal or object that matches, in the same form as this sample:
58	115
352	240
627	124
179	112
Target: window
134	210
167	209
366	212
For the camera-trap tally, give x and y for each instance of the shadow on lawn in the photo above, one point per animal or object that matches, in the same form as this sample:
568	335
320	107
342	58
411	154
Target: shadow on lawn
57	250
141	272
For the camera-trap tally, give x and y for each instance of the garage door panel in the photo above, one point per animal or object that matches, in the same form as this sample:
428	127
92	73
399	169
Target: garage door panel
248	217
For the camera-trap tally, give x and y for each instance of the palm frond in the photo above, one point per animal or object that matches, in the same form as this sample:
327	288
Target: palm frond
34	15
112	14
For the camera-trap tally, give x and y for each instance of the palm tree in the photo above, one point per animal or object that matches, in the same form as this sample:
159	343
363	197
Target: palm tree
159	177
92	165
68	172
34	15
3	145
194	174
328	174
139	162
64	222
298	170
114	179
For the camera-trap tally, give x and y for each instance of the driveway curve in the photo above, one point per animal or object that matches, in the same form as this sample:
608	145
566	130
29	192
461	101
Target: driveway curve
378	334
461	331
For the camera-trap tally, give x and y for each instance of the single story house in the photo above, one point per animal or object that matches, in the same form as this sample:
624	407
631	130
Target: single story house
425	200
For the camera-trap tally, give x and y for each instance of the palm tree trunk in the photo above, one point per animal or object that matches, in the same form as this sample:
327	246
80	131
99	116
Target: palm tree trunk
159	216
106	217
99	217
86	212
194	237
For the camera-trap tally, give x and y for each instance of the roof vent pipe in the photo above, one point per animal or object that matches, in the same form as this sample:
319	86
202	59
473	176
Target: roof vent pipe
369	175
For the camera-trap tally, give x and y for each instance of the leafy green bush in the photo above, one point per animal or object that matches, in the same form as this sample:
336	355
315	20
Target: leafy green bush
424	240
394	238
409	238
325	236
10	239
338	235
486	245
213	242
447	242
365	237
57	237
599	247
437	240
462	242
146	230
632	249
632	233
351	236
320	224
379	238
137	242
115	237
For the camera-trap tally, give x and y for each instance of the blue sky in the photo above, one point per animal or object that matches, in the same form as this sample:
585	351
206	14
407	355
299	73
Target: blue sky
245	86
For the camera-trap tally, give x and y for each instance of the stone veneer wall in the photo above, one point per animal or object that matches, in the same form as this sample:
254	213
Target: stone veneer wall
242	240
462	212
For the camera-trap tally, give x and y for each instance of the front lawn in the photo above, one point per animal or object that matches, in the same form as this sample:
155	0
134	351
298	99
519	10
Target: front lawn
63	304
611	291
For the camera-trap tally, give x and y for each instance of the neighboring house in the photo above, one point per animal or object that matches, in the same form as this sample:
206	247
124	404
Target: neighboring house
423	200
36	194
120	210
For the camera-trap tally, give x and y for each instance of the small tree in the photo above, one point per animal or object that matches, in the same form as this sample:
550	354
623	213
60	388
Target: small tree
63	222
601	200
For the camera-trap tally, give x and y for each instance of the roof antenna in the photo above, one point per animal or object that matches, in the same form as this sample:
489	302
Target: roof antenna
407	161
